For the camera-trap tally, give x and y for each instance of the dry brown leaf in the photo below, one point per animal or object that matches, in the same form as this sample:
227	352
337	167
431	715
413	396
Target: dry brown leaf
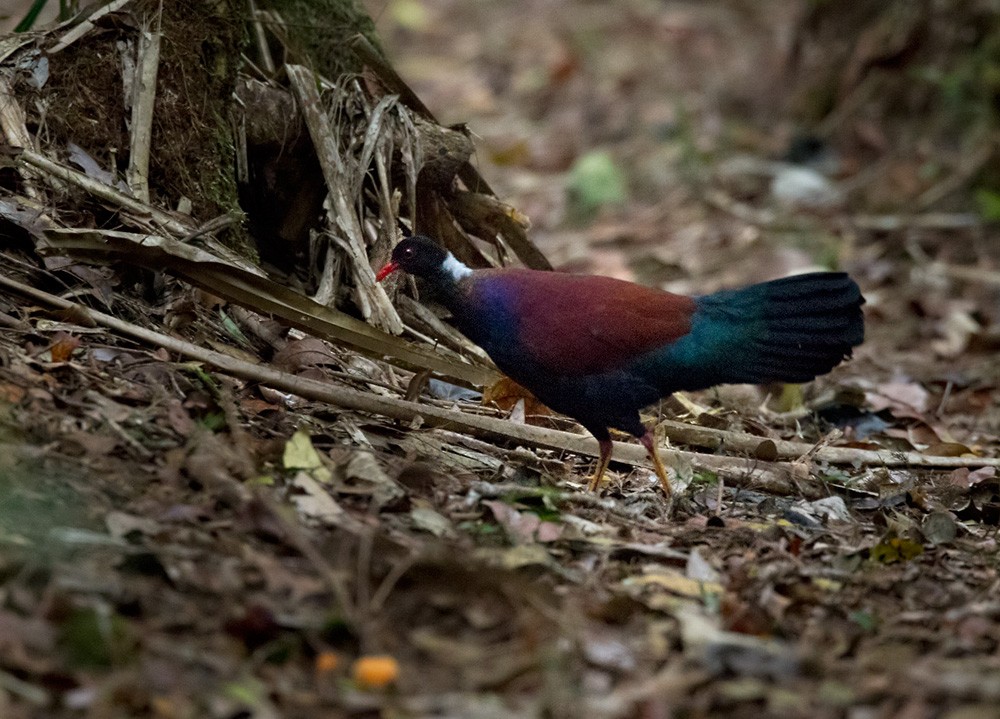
505	393
63	346
306	352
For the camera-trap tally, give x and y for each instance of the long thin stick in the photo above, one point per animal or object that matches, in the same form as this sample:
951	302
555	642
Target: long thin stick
771	477
719	439
105	192
768	476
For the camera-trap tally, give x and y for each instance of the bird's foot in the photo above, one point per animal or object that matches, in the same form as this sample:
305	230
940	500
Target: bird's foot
661	472
594	481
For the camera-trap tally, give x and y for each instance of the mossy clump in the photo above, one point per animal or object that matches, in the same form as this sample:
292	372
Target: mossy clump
192	154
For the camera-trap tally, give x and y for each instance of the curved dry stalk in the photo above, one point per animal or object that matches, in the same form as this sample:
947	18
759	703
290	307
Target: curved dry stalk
246	286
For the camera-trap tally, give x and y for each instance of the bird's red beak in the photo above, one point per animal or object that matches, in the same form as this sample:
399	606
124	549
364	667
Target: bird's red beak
386	271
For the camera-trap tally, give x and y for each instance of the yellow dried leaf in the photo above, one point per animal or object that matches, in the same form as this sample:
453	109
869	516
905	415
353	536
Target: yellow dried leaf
300	454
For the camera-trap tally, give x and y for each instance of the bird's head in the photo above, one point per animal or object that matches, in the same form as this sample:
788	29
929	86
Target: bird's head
423	257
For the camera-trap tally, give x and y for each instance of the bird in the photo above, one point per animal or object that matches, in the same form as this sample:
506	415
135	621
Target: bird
600	349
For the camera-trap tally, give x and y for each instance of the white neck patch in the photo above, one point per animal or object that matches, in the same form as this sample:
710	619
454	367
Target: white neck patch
455	268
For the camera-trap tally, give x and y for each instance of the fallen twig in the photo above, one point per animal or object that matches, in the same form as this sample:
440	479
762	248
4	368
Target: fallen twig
244	284
970	274
764	217
84	27
970	164
108	193
770	477
22	689
777	478
924	221
720	439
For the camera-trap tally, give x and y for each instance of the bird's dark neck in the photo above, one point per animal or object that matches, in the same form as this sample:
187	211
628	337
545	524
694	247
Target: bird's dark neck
446	290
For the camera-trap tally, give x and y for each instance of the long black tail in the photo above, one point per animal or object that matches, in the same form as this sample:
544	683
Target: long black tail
787	330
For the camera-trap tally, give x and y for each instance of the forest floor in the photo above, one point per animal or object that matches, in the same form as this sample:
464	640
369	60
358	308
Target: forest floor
176	543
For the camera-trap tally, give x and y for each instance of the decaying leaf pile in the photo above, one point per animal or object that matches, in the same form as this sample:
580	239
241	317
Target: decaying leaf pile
233	491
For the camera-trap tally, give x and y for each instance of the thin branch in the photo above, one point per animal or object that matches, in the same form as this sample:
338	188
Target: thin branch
243	284
260	40
766	217
78	31
493	490
770	477
144	87
970	274
105	192
720	439
766	476
248	288
925	221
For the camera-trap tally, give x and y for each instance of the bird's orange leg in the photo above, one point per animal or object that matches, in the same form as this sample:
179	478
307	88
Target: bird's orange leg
650	444
602	464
